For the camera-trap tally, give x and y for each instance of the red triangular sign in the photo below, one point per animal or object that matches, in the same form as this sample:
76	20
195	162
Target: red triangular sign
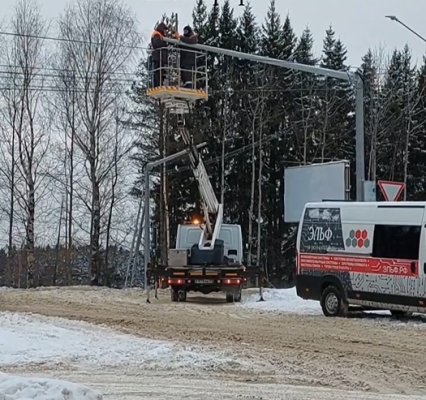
391	190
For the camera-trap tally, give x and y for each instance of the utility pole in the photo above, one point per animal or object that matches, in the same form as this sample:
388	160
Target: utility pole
147	234
353	78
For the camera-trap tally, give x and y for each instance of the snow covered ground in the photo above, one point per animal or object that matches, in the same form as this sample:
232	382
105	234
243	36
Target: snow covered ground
20	388
282	300
129	367
33	339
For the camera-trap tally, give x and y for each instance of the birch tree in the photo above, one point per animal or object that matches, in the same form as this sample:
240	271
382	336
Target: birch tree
26	121
99	41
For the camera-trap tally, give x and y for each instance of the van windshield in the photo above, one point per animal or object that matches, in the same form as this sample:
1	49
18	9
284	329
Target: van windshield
225	235
193	236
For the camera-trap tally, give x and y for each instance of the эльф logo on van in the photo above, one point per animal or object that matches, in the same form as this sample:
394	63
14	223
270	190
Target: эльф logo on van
358	239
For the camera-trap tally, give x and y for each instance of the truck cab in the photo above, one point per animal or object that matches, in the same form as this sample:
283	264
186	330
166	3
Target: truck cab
206	270
189	235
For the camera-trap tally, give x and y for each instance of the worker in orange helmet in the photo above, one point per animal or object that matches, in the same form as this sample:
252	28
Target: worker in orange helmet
159	53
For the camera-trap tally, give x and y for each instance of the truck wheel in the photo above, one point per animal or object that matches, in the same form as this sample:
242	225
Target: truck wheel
174	294
237	296
332	302
401	314
229	298
181	295
233	297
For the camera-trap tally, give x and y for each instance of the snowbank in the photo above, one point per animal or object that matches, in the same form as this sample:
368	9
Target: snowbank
28	339
19	388
284	301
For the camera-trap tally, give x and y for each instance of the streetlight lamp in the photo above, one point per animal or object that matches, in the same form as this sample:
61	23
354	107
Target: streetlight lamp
394	18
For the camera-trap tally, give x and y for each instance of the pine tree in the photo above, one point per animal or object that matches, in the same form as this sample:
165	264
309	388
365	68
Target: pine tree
212	28
338	133
278	41
227	27
199	19
247	32
329	43
303	53
399	74
417	185
372	112
242	177
302	143
272	37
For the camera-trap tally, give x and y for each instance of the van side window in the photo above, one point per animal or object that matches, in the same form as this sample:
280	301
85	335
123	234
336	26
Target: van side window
396	241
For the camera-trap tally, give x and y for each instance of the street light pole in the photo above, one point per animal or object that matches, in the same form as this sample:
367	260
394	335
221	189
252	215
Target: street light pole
394	18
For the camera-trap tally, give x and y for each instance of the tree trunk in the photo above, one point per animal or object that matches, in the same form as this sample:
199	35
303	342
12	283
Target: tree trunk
130	263
69	259
95	262
12	192
58	243
31	262
252	192
111	207
222	161
259	199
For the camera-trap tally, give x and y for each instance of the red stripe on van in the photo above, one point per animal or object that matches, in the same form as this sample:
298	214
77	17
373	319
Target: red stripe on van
368	265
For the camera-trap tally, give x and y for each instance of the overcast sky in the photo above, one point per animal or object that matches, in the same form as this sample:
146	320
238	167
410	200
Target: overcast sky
360	24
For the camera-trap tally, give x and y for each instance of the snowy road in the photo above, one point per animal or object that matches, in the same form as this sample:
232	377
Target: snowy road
279	349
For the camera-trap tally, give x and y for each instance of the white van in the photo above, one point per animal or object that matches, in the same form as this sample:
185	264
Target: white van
370	255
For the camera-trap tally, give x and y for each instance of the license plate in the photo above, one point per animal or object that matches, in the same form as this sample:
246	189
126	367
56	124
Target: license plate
203	281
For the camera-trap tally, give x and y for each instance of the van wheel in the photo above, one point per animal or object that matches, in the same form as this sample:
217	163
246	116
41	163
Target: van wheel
401	314
332	302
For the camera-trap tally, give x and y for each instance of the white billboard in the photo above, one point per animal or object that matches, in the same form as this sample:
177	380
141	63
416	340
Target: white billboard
313	183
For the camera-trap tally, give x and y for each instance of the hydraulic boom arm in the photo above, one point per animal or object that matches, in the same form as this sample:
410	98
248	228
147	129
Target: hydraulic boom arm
212	209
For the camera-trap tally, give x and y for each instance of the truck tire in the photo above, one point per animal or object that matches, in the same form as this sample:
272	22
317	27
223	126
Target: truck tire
229	297
181	295
401	314
173	294
233	297
333	303
178	294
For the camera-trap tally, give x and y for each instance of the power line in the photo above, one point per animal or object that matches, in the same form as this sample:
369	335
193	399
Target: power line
235	152
63	70
58	39
51	89
61	77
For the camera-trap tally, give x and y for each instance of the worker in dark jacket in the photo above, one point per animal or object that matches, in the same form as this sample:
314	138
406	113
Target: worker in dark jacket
159	53
188	58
